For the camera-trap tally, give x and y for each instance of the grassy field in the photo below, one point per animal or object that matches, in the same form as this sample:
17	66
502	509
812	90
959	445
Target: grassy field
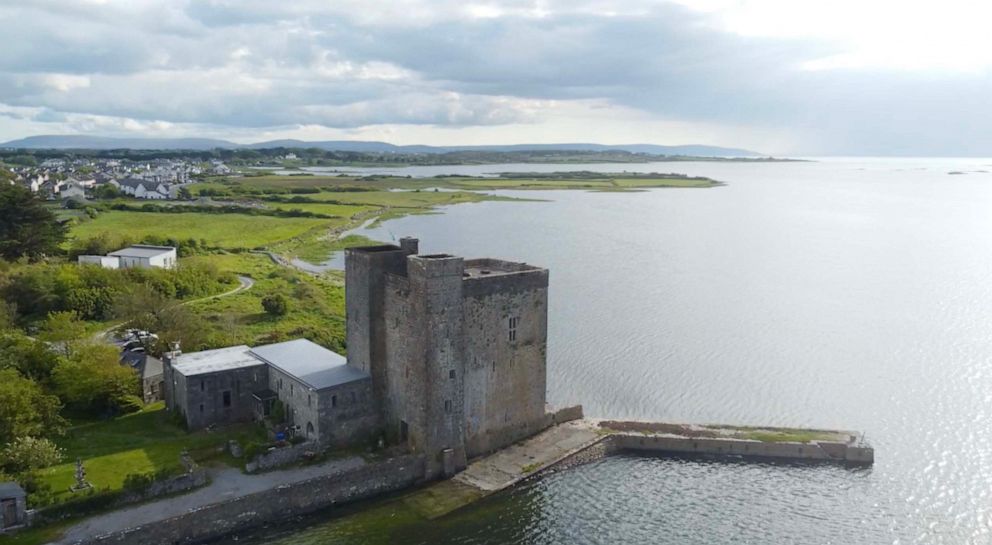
606	183
316	304
222	230
144	442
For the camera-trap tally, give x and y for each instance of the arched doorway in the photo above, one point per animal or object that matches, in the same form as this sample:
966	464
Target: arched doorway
309	430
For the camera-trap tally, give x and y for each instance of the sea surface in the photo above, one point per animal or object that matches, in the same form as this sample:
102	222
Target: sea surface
842	293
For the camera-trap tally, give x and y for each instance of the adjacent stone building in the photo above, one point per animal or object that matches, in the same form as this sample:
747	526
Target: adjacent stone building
323	398
446	356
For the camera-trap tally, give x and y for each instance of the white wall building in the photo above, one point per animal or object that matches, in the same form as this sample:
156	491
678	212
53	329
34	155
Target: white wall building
139	255
105	261
144	256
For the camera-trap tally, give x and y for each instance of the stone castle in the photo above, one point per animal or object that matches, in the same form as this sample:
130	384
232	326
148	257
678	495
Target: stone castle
446	356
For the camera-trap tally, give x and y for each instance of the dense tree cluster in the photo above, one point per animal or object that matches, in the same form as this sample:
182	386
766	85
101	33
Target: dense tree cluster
27	228
37	289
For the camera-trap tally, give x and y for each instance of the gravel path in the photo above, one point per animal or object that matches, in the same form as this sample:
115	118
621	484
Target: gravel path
226	483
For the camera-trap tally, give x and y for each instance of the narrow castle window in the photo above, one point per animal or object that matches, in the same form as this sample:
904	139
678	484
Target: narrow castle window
201	385
308	401
451	373
447	405
227	398
513	328
290	388
334	401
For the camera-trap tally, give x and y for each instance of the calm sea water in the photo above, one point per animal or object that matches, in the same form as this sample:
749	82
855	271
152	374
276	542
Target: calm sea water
845	293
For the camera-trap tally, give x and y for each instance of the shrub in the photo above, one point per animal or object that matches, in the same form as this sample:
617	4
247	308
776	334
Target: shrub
128	404
275	305
29	453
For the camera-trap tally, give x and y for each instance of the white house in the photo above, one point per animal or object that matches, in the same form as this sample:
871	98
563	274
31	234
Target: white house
144	256
105	261
139	255
142	189
72	190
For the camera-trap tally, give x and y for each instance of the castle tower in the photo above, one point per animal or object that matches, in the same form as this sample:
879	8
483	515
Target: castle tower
365	272
435	305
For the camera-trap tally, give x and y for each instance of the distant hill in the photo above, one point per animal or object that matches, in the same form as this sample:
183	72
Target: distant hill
104	143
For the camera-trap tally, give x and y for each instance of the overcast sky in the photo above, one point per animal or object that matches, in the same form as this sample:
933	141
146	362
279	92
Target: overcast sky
838	77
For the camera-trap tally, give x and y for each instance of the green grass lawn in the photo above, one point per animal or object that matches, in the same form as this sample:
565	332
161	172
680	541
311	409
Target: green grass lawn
316	304
221	230
144	442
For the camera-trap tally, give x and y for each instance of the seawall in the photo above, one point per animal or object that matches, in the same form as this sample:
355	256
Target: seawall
787	444
281	503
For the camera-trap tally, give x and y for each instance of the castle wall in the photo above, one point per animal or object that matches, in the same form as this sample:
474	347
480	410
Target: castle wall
365	272
436	299
403	363
339	416
505	381
201	397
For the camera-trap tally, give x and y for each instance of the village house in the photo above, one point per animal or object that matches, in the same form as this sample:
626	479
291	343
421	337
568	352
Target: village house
143	189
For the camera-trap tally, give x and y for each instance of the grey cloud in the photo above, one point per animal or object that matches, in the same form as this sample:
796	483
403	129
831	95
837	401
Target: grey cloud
257	63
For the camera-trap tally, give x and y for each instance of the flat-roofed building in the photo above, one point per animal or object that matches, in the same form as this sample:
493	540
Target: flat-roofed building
140	256
323	397
213	386
146	256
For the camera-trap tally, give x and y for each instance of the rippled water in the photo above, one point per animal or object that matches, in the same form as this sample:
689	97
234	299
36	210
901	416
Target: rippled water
845	293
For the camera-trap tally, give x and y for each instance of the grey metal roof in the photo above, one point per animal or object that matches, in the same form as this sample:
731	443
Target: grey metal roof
212	361
11	489
141	250
311	363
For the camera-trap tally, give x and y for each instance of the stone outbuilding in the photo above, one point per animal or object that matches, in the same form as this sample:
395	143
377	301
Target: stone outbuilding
13	507
324	399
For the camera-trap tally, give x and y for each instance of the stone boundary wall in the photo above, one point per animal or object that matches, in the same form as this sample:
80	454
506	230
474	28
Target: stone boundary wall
120	499
282	456
275	505
566	414
173	485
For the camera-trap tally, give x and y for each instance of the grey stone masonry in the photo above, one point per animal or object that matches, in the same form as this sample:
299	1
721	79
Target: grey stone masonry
456	348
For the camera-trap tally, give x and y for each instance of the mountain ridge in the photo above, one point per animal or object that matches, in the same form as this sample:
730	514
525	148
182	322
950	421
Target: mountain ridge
67	142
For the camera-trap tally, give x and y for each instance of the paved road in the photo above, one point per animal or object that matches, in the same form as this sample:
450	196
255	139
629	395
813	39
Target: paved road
226	484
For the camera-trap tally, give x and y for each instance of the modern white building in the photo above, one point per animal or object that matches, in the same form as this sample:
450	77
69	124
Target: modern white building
144	256
105	261
139	255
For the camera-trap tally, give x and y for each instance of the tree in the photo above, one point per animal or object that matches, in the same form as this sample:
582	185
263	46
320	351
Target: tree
27	228
107	191
29	453
26	410
8	315
30	357
275	305
144	308
61	329
93	378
